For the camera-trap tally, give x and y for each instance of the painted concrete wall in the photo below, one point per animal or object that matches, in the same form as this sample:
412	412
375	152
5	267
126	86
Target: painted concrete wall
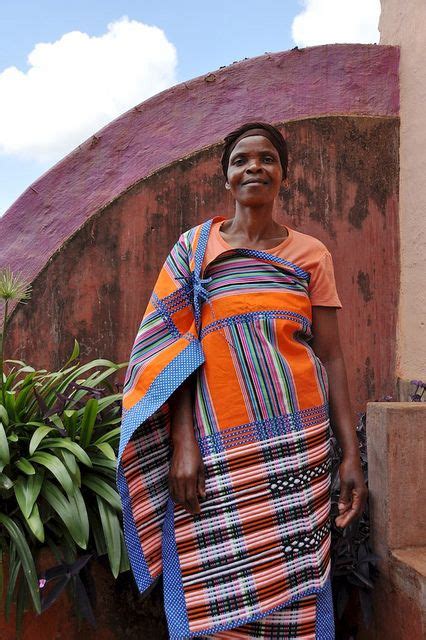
92	233
396	433
343	190
404	24
329	80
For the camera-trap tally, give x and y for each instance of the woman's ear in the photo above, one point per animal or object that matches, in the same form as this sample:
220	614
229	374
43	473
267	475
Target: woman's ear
285	184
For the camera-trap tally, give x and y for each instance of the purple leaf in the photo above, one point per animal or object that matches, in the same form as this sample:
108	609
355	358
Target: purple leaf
48	599
83	603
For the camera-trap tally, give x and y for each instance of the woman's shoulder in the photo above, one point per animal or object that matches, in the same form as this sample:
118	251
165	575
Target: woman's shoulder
191	236
308	243
187	237
304	250
188	242
313	256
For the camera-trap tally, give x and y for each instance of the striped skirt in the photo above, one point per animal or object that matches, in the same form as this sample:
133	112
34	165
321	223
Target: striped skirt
310	618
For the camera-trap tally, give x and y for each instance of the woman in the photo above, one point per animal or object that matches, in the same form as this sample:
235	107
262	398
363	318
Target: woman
236	366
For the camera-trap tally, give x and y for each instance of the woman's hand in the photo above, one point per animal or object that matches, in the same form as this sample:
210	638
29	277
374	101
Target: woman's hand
186	475
326	344
353	492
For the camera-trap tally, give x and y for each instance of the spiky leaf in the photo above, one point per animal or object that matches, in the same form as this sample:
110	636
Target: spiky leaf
25	466
38	435
103	489
56	467
25	557
4	448
67	510
112	529
88	422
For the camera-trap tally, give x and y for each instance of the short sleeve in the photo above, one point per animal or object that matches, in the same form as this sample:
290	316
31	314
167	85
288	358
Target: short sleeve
322	286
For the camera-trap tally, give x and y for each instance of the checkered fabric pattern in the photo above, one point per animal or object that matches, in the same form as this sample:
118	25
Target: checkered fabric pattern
261	542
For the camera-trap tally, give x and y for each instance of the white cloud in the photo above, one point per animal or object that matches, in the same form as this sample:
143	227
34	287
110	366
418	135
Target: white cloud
329	21
79	83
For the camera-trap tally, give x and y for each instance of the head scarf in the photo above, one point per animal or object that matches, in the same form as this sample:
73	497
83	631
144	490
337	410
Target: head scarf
255	129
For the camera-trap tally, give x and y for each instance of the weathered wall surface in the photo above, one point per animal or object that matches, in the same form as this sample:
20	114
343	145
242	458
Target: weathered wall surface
404	24
328	80
396	433
343	190
92	233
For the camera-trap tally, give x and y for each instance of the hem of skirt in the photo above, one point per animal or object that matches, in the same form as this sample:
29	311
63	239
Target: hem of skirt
234	624
177	370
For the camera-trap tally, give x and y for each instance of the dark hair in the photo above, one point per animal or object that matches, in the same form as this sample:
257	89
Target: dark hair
272	134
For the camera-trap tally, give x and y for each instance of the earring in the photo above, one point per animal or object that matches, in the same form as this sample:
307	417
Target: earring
227	186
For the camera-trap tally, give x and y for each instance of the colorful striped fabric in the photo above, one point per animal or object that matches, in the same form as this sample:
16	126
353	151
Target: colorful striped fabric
261	542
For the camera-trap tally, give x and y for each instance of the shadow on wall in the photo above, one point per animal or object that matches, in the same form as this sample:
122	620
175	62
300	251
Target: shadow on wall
343	190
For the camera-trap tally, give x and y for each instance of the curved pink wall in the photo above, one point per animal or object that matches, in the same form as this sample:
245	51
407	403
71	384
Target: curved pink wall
93	232
327	80
343	176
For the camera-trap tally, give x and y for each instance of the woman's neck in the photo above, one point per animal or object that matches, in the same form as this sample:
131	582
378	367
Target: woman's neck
253	224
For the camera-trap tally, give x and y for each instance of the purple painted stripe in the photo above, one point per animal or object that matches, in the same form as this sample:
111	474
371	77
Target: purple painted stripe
326	80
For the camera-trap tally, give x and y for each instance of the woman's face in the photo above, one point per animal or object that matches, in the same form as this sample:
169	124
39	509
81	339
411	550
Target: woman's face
254	171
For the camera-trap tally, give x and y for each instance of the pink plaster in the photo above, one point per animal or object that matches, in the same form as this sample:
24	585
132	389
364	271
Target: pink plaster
326	80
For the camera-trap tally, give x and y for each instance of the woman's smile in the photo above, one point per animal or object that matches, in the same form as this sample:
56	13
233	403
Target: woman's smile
253	182
254	171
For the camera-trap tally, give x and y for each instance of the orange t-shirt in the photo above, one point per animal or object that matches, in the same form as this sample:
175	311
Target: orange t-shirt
303	250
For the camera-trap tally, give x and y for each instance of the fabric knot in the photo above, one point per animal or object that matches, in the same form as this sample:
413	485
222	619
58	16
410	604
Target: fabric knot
199	293
199	287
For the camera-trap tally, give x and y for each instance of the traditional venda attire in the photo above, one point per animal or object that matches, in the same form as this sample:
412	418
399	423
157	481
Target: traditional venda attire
255	562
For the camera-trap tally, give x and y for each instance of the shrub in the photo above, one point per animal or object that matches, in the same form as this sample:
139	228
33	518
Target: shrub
58	436
59	432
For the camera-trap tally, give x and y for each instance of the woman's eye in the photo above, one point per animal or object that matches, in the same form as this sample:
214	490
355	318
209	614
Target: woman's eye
268	159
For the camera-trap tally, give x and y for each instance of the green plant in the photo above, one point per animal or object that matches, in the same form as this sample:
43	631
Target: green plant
59	432
58	436
13	287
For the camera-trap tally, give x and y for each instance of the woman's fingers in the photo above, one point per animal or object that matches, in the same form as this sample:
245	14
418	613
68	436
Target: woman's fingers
349	511
353	492
358	502
345	517
201	482
176	490
344	506
183	491
191	502
345	497
348	516
186	477
343	521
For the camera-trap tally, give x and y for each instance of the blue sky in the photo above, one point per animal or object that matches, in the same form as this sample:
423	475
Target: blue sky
206	34
92	77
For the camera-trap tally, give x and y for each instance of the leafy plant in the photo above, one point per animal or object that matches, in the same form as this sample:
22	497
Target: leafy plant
59	432
13	287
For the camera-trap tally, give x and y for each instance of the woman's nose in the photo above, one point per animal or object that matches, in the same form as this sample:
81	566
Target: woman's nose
253	165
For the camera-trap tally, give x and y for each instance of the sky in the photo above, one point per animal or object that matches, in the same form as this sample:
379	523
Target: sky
68	69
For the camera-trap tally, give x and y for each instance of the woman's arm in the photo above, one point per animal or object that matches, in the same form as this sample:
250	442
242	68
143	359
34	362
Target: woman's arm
326	345
186	475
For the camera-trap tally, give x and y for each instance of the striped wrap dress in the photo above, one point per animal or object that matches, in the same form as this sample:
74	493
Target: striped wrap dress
255	562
